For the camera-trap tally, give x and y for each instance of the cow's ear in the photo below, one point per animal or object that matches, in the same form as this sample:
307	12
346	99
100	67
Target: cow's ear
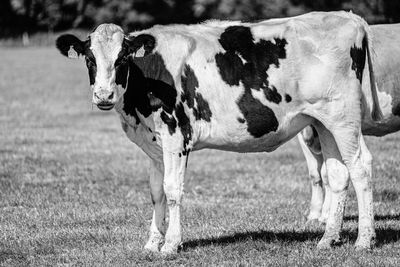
70	45
141	45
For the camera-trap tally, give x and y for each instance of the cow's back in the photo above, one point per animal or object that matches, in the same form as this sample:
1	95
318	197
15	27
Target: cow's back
246	86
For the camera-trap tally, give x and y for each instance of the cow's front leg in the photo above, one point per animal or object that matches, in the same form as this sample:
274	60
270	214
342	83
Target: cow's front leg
174	173
157	228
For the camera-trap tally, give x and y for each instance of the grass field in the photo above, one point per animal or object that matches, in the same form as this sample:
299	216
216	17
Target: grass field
74	190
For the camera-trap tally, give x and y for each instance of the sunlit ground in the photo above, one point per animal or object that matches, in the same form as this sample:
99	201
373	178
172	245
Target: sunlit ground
74	190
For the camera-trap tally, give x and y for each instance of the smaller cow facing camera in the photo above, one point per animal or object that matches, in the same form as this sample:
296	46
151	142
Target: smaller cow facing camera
244	87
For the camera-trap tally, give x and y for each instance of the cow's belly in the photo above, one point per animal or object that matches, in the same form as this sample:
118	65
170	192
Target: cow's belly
268	143
236	138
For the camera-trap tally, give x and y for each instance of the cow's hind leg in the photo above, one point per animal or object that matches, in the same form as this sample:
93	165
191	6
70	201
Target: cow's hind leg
327	195
357	159
361	177
338	179
157	228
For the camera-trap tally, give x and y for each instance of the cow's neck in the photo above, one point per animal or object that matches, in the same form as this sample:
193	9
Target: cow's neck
150	86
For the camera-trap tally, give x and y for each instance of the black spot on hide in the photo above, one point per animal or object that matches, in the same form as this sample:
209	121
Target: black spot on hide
130	46
260	119
121	75
184	125
396	108
151	87
241	120
170	121
147	41
90	63
288	98
121	65
358	59
190	96
239	44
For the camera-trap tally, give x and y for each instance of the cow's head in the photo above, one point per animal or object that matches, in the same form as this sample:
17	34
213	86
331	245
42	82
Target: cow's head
107	52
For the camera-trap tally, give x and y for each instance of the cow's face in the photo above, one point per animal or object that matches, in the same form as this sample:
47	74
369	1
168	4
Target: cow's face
106	52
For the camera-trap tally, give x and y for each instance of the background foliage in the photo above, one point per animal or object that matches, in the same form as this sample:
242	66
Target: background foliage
18	16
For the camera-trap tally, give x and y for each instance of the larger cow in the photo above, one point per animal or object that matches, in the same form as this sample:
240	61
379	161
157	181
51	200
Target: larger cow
245	87
386	40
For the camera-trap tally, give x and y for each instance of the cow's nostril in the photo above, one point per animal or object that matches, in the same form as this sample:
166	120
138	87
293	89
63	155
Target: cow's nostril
111	96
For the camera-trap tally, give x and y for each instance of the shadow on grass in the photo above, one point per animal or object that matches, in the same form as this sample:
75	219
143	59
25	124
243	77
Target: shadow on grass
14	256
383	236
377	217
266	236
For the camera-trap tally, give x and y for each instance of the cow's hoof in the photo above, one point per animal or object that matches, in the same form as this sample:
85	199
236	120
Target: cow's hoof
152	246
154	242
363	245
170	248
324	244
365	241
328	243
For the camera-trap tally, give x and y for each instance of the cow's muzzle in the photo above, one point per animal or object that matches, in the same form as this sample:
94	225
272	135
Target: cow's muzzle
105	105
104	99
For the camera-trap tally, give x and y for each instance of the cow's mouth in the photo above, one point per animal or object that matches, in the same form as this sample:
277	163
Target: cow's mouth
105	106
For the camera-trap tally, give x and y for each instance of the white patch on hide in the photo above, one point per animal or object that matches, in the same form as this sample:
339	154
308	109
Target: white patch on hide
72	53
140	52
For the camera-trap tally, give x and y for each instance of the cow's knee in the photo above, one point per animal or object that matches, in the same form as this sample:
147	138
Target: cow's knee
338	175
361	168
172	191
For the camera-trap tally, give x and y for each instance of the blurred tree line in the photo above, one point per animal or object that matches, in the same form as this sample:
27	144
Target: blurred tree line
18	16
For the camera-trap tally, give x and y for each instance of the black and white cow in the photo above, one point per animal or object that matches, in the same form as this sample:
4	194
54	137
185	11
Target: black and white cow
386	40
245	87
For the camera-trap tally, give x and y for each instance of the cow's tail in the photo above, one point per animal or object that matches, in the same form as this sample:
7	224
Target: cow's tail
376	112
365	41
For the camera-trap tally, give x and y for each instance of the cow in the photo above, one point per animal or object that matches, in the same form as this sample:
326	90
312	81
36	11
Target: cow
385	42
236	86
